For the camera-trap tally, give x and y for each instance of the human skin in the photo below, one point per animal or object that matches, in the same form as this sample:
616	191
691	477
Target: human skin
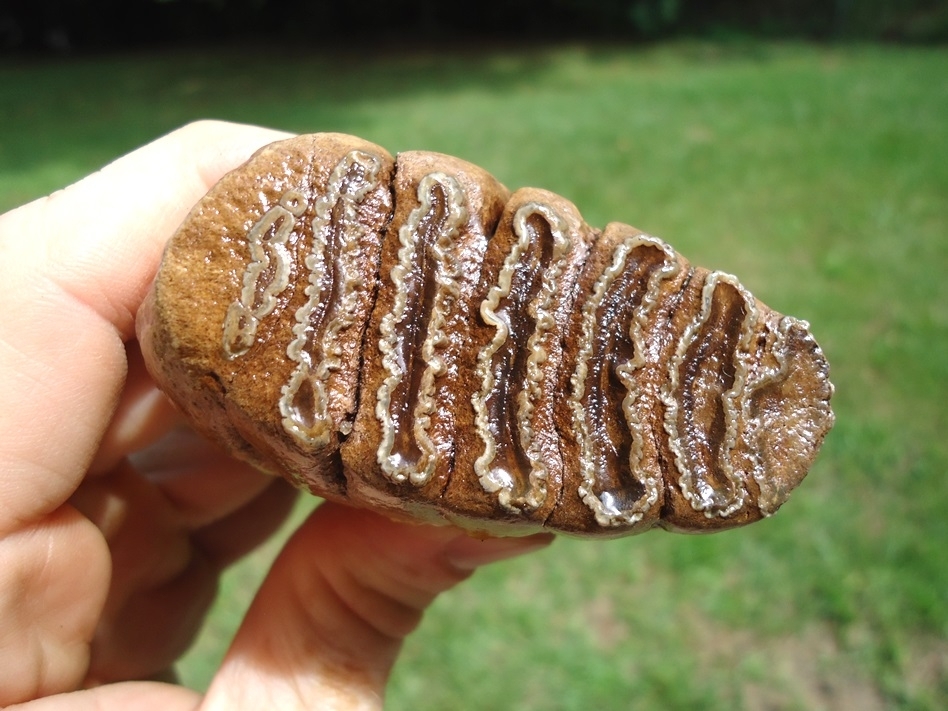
116	520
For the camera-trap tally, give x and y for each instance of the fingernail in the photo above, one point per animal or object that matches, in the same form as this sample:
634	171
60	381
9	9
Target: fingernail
468	553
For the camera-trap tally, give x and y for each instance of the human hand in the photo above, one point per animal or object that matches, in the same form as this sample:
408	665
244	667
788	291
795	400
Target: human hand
116	520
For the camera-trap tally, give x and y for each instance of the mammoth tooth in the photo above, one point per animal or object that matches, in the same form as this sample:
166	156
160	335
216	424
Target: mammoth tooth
785	409
334	294
404	334
511	374
425	282
203	272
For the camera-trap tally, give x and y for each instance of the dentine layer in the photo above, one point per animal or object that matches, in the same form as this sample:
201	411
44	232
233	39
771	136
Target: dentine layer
602	323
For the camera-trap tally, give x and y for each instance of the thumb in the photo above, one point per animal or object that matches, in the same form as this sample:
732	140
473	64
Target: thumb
329	620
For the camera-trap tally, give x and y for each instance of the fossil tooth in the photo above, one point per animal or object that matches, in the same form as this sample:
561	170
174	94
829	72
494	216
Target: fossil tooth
405	334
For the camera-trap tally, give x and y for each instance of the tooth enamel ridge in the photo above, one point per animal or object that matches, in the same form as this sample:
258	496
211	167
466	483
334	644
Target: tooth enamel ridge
708	373
427	262
757	390
602	479
332	268
258	296
512	467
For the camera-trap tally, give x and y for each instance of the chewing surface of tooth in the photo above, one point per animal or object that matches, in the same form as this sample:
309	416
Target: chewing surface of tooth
758	391
391	334
773	434
706	381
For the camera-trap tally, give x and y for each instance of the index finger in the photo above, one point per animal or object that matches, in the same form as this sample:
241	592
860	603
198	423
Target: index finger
74	268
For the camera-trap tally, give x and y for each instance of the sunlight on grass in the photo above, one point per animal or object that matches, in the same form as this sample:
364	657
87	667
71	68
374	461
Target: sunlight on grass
819	175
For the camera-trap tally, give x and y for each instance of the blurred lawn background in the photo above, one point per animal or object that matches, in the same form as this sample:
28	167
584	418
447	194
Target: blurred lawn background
818	174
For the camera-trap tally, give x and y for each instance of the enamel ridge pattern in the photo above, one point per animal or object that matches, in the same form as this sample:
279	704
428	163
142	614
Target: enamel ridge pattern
712	355
488	356
605	504
267	243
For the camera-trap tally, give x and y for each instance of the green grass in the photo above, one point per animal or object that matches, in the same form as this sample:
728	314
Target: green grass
819	175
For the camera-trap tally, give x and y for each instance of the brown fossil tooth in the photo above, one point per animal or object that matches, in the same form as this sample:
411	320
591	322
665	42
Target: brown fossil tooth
509	466
402	449
264	359
419	341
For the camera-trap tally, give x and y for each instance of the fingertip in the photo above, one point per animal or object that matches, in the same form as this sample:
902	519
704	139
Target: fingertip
139	695
468	553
